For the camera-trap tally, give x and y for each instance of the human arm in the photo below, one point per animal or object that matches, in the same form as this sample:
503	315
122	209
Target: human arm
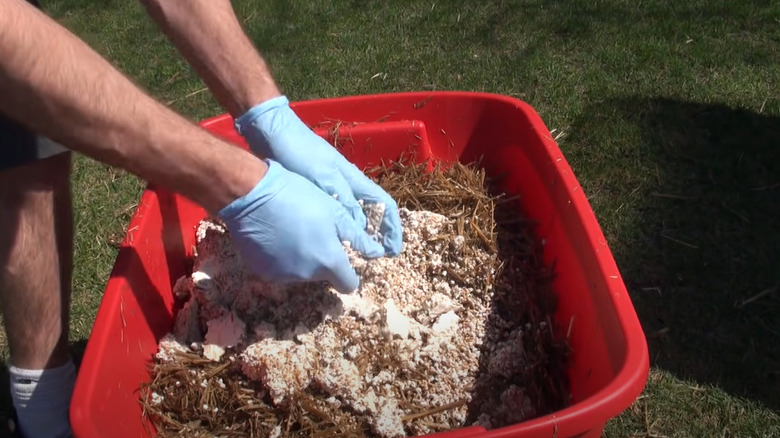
210	36
56	85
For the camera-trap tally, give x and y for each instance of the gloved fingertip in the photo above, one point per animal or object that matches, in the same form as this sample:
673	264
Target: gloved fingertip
349	230
344	280
350	289
392	244
365	245
392	232
373	249
357	213
345	197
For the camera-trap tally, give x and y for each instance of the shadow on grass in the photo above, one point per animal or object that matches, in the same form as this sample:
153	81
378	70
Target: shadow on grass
689	195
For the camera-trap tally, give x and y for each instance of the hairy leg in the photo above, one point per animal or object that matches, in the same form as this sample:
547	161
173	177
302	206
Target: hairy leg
36	257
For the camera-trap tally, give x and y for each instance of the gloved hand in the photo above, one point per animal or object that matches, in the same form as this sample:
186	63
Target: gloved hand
286	229
274	131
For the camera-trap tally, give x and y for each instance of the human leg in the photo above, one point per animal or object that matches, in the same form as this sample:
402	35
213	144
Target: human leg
37	242
36	245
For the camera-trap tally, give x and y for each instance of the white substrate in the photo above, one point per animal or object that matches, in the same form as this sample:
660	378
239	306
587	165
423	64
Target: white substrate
409	336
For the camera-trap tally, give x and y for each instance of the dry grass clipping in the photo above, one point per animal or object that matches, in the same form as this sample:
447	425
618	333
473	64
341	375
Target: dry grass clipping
522	295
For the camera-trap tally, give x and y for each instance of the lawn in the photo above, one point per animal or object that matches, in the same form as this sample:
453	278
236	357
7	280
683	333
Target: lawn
668	112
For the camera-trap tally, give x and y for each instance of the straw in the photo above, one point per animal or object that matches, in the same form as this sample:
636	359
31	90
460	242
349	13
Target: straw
193	387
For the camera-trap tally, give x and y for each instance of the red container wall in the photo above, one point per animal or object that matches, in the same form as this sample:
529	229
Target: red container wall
609	361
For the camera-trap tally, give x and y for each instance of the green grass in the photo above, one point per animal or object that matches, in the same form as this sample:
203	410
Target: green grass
671	115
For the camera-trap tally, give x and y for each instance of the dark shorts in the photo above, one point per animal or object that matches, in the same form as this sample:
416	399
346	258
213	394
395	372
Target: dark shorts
19	146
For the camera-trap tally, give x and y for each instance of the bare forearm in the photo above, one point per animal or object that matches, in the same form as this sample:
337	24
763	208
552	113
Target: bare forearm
209	35
56	85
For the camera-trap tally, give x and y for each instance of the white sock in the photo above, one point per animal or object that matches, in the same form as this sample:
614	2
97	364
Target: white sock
42	399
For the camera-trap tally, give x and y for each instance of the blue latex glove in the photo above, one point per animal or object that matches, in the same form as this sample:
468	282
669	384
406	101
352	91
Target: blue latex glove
286	229
274	131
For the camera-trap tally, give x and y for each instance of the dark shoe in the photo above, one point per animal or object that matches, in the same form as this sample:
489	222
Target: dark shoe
8	425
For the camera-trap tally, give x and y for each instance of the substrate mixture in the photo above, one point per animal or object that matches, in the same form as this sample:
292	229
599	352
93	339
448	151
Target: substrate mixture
454	331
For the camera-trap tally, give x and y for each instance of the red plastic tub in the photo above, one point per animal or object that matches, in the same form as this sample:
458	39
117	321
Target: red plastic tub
609	361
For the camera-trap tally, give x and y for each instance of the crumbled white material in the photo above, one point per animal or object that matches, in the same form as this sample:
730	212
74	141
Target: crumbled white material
203	278
284	367
446	325
375	212
358	305
457	242
341	378
394	323
213	352
157	398
387	422
440	303
408	310
227	331
168	347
